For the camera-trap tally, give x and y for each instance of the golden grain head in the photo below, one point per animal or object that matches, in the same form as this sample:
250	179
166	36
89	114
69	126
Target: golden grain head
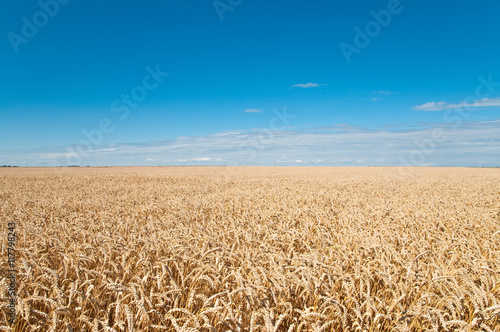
266	249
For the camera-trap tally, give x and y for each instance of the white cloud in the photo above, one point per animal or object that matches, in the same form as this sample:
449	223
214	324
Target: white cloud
226	133
336	145
306	85
441	106
252	110
385	93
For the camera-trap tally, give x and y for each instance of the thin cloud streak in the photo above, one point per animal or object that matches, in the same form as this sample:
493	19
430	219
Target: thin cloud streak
385	93
337	145
442	106
306	85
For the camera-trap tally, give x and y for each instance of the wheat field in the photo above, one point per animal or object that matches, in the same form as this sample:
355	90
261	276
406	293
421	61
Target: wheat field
252	249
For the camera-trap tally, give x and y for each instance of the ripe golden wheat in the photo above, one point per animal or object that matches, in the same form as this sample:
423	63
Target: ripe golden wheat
261	249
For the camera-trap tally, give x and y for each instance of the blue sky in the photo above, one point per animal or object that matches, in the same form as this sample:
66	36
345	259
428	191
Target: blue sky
250	83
